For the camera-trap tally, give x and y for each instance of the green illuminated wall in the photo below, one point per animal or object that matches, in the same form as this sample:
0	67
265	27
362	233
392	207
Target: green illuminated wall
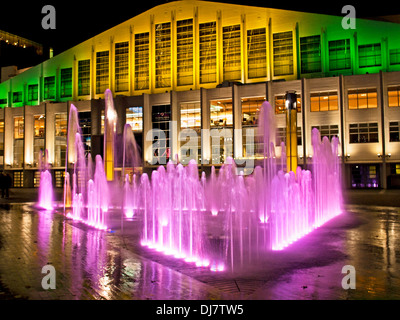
320	48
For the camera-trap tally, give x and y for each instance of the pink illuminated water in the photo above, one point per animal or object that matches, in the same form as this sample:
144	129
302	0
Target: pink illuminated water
221	222
46	190
89	189
173	212
45	200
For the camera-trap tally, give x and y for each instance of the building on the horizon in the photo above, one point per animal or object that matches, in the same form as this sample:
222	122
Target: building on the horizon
205	65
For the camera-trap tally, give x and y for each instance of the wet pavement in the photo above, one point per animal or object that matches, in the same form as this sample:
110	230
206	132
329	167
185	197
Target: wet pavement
96	265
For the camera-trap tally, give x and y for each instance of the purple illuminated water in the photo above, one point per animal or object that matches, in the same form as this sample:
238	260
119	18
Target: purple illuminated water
89	194
221	222
46	184
46	191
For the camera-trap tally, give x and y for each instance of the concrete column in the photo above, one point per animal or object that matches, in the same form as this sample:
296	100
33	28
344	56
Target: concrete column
237	122
8	137
382	106
173	128
196	50
147	141
205	128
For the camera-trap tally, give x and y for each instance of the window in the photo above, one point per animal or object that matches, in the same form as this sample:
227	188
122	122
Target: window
134	117
83	77
102	71
18	127
190	115
142	61
395	168
49	87
59	176
280	104
122	66
339	55
184	52
18	179
363	132
369	55
281	136
221	117
221	113
161	118
33	92
163	55
231	53
208	52
38	142
85	123
252	142
394	96
364	176
17	97
102	119
310	53
66	83
36	179
330	130
362	98
60	139
283	53
324	101
394	131
257	53
18	142
394	56
190	119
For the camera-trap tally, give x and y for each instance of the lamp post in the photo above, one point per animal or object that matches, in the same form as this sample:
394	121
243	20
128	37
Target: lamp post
291	131
110	122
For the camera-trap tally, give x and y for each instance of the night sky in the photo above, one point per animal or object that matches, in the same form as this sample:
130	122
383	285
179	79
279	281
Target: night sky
77	21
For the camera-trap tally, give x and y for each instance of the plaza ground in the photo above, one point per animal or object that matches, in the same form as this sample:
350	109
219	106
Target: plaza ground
93	264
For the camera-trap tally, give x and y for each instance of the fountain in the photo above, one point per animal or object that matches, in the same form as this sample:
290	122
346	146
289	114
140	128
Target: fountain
46	184
221	222
46	190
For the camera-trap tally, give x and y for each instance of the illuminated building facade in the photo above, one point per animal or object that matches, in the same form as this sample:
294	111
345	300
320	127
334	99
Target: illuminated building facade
204	65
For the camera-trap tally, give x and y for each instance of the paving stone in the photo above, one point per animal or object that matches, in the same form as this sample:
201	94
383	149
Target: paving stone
95	265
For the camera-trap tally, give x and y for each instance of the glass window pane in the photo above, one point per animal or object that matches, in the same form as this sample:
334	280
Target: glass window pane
324	106
352	101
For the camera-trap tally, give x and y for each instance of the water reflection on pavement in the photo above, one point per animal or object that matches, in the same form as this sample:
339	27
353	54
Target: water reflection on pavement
93	264
89	264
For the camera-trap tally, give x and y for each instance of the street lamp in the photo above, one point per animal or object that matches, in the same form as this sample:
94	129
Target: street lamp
291	130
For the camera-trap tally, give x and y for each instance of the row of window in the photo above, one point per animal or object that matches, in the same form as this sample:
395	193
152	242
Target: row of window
319	101
190	118
49	89
340	54
18	179
60	140
340	57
